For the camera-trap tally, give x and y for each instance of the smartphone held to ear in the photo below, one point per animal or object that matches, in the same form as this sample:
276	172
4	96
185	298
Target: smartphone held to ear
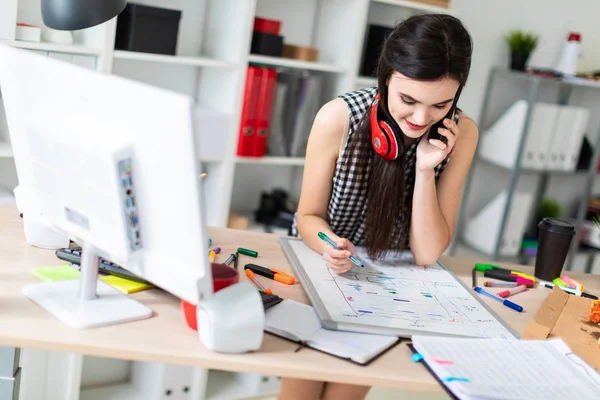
433	132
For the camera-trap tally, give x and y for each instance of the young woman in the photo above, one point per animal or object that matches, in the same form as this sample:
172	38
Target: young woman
373	175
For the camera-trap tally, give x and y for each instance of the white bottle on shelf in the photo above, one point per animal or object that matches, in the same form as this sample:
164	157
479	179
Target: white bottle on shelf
567	63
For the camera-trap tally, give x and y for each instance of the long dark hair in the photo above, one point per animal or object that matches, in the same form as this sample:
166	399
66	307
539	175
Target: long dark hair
422	47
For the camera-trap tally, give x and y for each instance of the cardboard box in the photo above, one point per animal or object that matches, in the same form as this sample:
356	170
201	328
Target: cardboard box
300	52
439	3
29	33
566	316
237	221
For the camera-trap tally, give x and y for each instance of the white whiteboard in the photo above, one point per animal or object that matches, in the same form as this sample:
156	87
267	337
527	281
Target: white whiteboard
393	297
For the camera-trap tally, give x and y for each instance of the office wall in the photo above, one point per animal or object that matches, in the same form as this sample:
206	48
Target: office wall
488	21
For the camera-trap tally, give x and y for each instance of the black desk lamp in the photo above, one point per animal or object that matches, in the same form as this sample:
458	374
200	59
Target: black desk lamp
69	15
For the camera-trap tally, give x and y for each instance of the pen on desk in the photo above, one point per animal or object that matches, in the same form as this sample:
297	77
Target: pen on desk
247	252
230	259
569	290
271	273
510	292
508	278
211	256
499	270
474	278
500	284
235	260
507	303
252	277
326	239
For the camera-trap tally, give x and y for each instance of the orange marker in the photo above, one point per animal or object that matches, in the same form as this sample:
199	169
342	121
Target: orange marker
252	276
271	273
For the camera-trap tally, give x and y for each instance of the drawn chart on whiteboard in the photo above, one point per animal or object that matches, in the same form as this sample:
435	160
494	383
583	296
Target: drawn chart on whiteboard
393	296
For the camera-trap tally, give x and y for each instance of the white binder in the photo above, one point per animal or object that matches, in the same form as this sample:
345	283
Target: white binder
554	137
481	231
568	138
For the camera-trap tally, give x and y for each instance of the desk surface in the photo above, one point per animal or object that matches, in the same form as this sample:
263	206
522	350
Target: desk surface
166	338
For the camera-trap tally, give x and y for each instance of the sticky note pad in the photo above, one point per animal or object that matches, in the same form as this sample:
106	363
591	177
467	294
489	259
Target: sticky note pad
65	272
125	285
56	273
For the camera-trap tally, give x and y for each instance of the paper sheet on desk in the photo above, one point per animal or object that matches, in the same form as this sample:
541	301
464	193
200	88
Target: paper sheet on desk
500	369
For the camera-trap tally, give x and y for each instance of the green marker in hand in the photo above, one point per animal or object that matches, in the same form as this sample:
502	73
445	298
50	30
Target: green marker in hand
326	239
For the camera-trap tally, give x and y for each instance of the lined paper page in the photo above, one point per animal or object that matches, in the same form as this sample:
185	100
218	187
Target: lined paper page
499	369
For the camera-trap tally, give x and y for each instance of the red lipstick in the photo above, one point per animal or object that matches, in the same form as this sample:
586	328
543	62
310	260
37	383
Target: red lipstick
415	127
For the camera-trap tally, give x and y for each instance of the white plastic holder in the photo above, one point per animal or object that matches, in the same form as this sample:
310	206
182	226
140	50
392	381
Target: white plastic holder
37	232
232	320
86	302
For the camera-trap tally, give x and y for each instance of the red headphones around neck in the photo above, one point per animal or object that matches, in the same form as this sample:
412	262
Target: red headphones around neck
384	134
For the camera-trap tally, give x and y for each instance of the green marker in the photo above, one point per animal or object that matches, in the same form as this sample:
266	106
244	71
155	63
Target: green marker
247	252
485	267
326	239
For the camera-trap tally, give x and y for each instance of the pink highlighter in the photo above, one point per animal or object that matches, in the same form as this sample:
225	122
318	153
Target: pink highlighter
511	291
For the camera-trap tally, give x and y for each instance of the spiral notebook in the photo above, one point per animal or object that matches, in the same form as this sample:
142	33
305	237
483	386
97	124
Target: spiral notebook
497	369
299	323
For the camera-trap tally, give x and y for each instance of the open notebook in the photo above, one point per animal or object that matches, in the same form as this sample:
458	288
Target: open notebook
494	369
299	323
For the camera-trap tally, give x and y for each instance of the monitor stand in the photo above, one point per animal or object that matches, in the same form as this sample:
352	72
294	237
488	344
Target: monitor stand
86	302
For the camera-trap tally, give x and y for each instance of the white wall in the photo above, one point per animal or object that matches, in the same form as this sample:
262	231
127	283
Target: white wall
489	20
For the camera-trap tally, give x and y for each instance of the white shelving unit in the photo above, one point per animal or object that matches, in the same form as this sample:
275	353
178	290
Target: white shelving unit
5	150
167	59
296	64
116	392
269	160
50	47
213	53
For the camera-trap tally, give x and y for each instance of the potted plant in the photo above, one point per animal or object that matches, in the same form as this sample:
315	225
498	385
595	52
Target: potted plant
521	45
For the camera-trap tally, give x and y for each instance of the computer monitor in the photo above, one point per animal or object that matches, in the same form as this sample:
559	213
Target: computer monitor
112	165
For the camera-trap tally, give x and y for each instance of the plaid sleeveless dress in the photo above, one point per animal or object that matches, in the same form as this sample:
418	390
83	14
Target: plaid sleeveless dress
347	205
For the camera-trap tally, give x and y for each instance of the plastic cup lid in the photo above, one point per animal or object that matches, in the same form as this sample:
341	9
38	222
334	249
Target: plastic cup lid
557	226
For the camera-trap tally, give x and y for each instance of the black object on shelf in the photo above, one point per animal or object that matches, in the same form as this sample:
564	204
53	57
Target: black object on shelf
70	15
148	29
266	44
374	41
585	155
274	210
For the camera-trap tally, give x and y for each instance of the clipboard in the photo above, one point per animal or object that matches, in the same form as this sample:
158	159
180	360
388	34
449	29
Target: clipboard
335	316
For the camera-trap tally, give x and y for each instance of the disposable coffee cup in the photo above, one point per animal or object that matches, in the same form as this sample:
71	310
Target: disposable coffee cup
555	237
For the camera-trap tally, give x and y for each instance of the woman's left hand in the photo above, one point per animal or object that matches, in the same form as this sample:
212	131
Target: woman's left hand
431	152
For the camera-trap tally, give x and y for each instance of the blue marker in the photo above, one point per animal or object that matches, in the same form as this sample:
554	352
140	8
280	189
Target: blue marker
325	238
507	303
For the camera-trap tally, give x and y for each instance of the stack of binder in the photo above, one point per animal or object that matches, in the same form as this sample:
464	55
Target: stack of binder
278	112
256	112
554	137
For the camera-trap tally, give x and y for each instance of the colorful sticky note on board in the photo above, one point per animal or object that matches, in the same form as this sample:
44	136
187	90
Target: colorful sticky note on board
65	272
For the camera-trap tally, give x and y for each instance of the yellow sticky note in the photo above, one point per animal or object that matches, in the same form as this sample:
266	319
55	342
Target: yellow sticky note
66	272
56	273
125	285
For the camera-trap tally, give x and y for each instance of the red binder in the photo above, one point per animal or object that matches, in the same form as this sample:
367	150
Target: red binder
249	112
268	83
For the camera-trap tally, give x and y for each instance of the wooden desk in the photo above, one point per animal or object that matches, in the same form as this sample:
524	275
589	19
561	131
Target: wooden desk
166	338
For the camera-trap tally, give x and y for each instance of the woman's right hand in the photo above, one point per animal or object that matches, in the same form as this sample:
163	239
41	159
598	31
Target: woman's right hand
338	260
